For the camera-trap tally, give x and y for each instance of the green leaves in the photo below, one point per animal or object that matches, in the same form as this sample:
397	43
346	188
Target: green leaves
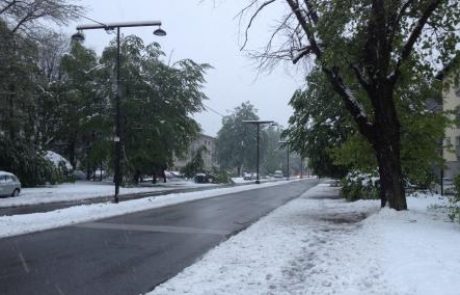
158	100
319	124
236	141
322	130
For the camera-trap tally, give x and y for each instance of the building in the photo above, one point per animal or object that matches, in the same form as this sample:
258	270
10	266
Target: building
451	146
209	155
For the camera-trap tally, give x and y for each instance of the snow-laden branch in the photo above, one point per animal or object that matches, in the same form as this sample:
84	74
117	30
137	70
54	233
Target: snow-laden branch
301	53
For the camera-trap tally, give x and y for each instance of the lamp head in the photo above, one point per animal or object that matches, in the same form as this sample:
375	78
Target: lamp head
78	37
159	32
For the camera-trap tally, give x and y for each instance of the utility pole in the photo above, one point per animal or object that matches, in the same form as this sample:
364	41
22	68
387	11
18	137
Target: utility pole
258	123
118	173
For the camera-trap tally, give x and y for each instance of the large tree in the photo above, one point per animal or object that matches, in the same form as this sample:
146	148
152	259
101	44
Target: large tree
325	133
368	50
158	100
23	84
274	157
236	141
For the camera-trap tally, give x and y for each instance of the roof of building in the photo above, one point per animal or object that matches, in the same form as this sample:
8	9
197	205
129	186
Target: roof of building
207	136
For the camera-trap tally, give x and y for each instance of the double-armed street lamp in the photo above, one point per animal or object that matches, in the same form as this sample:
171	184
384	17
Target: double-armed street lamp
79	37
258	123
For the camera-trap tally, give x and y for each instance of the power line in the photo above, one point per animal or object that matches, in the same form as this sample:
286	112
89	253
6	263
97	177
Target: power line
213	110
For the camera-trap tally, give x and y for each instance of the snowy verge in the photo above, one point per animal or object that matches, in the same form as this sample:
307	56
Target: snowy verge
27	223
320	244
83	191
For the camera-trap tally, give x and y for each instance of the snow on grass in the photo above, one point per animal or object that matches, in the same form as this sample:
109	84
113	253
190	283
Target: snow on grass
82	191
318	244
27	223
58	160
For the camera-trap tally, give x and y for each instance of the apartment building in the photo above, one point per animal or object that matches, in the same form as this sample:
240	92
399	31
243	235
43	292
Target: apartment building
209	156
451	146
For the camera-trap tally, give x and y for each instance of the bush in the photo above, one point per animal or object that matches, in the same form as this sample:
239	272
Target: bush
220	176
358	185
457	187
27	163
454	214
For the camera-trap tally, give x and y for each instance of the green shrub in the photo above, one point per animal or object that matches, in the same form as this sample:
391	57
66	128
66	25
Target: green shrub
457	187
454	214
220	176
357	186
28	164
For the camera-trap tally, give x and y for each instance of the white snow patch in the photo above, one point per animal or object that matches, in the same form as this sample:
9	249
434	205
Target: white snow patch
317	244
57	160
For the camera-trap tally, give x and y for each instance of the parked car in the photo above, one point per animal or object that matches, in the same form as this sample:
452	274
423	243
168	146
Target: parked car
247	176
203	178
278	174
9	184
448	187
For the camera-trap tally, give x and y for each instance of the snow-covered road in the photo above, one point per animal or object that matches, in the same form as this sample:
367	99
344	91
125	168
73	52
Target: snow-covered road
318	244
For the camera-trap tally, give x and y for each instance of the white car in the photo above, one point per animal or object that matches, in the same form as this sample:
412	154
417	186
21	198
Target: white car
278	174
9	184
448	187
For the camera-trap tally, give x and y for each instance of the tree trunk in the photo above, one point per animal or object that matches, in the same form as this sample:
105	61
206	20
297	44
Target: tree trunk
136	176
71	152
88	173
387	147
391	184
163	174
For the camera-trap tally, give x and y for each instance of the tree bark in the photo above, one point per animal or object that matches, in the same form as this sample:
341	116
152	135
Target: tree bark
386	142
391	185
136	176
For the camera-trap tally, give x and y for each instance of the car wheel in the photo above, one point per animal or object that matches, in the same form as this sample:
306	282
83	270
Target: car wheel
15	193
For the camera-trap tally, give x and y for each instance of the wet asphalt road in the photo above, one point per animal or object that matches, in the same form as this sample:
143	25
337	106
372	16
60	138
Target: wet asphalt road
131	254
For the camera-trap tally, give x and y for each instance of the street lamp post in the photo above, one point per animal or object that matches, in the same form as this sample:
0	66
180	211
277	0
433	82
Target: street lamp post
118	136
257	123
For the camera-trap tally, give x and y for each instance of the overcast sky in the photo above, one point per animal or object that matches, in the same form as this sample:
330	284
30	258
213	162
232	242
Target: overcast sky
207	32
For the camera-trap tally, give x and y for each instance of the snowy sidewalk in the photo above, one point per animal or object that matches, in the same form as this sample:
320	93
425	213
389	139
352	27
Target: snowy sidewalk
319	244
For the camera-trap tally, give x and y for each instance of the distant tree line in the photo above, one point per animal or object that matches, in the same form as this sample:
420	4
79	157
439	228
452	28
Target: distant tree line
236	145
